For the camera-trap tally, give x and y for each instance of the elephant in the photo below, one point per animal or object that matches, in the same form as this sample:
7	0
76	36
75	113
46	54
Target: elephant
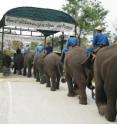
5	64
78	71
28	63
38	67
53	69
18	62
105	75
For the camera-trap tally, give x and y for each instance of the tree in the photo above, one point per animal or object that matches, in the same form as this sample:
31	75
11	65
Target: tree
87	14
33	45
17	44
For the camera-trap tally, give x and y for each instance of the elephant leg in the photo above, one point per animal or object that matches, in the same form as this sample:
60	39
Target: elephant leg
76	88
58	82
34	71
24	71
101	99
48	80
37	75
54	82
71	92
111	111
82	92
81	83
29	71
42	76
20	72
14	70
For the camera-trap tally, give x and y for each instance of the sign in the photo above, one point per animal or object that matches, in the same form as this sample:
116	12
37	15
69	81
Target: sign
41	25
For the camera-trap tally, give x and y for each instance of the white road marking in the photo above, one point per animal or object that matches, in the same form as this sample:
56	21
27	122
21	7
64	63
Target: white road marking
10	108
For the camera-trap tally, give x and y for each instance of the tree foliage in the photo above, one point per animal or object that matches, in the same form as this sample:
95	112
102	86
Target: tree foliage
17	44
87	14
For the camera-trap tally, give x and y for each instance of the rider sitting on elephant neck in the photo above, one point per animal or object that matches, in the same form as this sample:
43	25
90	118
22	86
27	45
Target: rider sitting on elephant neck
99	40
48	48
39	49
70	43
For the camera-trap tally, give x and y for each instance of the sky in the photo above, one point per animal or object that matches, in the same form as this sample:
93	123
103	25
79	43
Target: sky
57	4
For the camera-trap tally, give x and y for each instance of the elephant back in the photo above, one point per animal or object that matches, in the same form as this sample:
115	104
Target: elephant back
39	60
106	52
52	58
51	62
76	55
106	57
28	59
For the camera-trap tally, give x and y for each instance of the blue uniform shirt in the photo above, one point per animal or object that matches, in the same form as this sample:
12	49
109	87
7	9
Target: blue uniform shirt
39	49
26	50
90	51
72	41
48	49
100	39
65	50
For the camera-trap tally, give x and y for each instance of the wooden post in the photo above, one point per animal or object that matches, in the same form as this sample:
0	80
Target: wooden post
44	43
62	41
20	31
2	45
75	30
31	33
52	40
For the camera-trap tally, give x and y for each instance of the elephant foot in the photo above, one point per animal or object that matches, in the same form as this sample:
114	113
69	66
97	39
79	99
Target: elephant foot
53	89
42	82
57	88
71	94
20	73
102	109
63	80
37	80
28	76
48	85
14	72
83	100
110	116
24	74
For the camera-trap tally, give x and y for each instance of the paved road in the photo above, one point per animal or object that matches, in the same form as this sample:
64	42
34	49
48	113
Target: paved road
24	101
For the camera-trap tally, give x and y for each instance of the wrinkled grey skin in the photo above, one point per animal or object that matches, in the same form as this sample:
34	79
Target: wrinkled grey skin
38	67
53	70
28	59
78	73
105	74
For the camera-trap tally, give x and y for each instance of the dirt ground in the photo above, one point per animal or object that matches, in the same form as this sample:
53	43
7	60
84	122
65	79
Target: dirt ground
25	101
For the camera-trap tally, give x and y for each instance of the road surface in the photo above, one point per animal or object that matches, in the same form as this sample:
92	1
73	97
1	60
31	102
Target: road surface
25	101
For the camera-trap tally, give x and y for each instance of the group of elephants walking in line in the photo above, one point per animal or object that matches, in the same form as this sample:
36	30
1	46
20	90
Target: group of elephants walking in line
78	70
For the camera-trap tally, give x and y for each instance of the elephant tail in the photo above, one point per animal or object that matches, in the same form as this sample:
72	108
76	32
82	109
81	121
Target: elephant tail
87	67
61	72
